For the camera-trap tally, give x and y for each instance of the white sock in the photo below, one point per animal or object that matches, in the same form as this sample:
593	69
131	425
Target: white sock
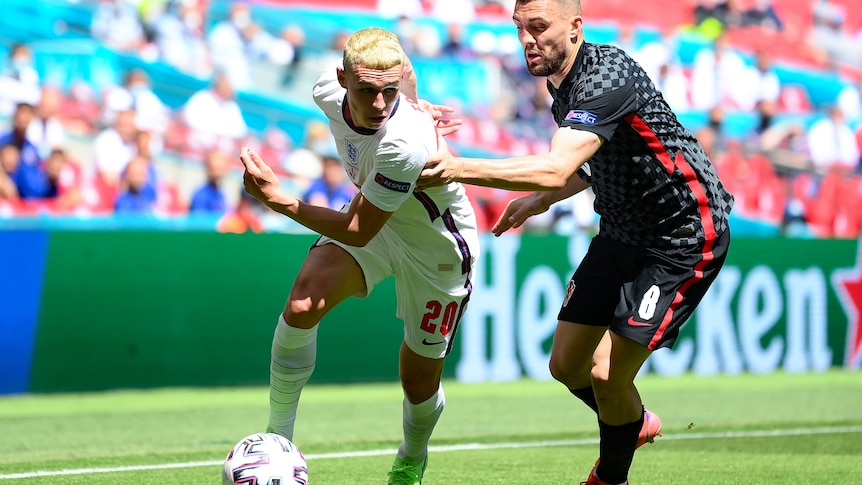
294	351
419	421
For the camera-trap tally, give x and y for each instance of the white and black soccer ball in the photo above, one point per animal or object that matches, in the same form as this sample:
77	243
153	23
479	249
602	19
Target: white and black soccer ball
265	459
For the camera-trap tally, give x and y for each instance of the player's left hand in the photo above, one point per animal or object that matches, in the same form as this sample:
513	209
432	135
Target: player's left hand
258	179
518	211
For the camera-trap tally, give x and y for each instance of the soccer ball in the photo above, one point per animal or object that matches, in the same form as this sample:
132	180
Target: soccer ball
265	459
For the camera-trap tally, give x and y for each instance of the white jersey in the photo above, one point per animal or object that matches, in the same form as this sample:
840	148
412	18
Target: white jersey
385	165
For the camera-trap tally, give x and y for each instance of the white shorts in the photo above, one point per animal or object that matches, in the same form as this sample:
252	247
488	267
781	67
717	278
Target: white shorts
432	282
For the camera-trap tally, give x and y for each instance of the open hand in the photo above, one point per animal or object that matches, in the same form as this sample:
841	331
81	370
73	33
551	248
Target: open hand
438	111
517	211
442	168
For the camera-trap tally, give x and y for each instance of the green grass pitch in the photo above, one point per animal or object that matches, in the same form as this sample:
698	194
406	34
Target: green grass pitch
747	429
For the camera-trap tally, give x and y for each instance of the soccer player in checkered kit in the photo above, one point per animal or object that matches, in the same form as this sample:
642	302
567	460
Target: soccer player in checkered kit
663	231
427	240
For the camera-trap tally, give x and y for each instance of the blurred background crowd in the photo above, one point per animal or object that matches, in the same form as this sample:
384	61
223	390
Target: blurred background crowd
124	112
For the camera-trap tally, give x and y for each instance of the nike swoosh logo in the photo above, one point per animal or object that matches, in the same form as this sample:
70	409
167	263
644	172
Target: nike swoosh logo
426	342
634	323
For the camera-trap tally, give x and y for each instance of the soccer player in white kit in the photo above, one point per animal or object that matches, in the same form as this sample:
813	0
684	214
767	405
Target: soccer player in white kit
426	240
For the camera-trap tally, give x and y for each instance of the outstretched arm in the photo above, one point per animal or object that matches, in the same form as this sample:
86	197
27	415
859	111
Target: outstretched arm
569	150
355	227
519	210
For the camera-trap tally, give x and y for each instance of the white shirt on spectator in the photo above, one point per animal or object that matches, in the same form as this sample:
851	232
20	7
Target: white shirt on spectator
454	11
212	118
716	82
110	153
116	23
850	102
18	86
46	135
229	54
390	9
832	143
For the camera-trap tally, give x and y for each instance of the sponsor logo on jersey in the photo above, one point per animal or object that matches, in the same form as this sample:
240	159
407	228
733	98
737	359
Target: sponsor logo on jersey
352	154
582	116
636	323
390	184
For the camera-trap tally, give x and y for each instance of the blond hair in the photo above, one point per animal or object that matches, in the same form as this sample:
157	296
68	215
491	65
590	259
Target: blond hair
374	48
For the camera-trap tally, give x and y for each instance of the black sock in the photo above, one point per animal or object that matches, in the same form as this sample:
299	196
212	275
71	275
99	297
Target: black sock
588	396
616	450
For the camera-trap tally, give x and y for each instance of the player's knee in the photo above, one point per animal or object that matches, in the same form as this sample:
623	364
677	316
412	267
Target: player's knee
418	388
568	371
301	310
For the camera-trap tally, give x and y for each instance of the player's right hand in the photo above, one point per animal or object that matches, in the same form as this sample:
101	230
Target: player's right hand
441	168
258	179
519	210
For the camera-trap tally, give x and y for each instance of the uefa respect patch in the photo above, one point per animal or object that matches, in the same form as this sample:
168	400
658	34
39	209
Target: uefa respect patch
581	116
390	184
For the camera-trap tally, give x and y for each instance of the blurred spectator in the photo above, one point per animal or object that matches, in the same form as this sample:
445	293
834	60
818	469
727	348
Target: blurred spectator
178	34
144	150
661	62
318	138
46	130
287	51
64	178
214	116
715	76
392	9
713	136
9	159
674	86
407	30
764	88
245	217
832	143
849	99
132	199
210	198
785	145
302	166
829	39
654	54
114	147
136	94
733	13
29	175
228	43
453	11
763	14
331	189
116	24
19	81
704	10
626	38
531	112
455	44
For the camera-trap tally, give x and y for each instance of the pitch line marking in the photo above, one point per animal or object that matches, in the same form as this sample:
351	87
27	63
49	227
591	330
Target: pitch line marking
461	447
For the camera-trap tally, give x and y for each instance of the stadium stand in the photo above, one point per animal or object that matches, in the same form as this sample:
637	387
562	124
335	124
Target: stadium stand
278	110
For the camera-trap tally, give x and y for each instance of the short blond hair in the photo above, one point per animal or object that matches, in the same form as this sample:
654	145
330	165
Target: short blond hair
374	48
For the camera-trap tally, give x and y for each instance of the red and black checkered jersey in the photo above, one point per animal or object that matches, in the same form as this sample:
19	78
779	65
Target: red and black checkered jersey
653	182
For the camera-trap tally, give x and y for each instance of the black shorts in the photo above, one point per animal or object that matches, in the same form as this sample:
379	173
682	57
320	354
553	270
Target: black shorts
644	294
